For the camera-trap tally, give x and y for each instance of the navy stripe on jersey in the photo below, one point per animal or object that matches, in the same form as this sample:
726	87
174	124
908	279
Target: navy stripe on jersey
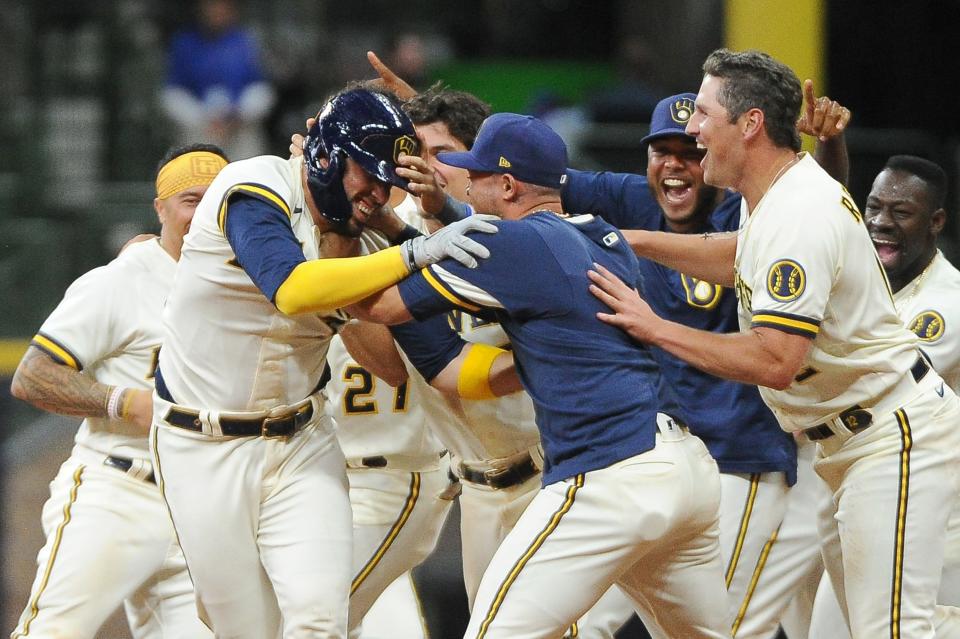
263	241
786	322
60	353
256	191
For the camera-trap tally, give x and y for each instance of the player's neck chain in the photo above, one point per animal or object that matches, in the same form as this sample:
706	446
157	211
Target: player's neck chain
917	283
783	169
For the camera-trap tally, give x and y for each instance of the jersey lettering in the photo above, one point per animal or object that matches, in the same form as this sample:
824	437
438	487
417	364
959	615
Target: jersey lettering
847	202
744	294
358	397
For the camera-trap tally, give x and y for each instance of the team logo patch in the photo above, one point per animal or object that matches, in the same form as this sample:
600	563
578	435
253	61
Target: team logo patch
406	145
681	110
928	326
786	280
700	293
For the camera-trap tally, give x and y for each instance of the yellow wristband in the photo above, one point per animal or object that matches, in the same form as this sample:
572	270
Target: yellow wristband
125	405
473	382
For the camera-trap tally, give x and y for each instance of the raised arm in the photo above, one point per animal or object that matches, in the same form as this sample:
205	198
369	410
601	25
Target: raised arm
826	120
707	256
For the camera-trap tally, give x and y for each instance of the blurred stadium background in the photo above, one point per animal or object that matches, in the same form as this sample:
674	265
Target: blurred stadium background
81	130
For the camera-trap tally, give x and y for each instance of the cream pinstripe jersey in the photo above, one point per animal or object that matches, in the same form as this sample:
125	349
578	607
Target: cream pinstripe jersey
805	265
108	325
226	346
930	307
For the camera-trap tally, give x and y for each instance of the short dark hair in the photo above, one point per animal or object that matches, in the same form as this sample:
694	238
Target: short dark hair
753	79
176	151
462	112
931	173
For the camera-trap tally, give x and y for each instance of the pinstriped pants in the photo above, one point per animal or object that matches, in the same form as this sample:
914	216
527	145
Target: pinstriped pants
894	486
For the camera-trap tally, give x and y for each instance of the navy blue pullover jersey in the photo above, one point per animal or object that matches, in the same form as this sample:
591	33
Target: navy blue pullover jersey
731	418
593	388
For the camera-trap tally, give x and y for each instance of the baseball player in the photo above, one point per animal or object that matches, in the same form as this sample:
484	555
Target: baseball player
851	380
247	461
108	535
757	459
628	495
400	490
905	214
494	443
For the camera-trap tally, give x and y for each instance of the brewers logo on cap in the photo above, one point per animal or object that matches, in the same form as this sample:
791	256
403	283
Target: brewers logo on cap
928	326
406	145
681	110
786	280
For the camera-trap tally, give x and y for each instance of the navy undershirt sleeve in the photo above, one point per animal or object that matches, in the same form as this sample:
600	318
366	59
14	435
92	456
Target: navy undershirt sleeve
263	241
430	345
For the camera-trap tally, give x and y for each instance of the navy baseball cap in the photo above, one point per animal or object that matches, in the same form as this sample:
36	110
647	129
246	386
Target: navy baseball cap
670	117
520	145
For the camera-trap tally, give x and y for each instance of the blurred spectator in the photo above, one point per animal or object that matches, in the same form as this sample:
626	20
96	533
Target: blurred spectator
216	90
634	99
409	58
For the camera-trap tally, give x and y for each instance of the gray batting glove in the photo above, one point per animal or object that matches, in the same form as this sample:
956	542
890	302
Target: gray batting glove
450	241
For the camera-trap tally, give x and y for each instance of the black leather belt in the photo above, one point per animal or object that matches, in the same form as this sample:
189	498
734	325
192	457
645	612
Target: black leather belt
857	418
276	426
123	464
498	479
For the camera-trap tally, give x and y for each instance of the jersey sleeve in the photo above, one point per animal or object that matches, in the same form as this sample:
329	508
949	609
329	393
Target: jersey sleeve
430	345
493	286
622	199
261	237
796	267
87	325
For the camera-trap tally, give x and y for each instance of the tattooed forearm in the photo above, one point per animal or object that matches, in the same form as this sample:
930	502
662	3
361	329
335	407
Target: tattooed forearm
57	387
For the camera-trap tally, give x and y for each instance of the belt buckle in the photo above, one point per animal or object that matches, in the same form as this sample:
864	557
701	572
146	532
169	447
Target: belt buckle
855	419
492	474
267	432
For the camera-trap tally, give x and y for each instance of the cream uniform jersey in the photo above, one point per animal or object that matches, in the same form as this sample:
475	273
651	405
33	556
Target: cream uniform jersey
108	325
930	307
805	265
255	358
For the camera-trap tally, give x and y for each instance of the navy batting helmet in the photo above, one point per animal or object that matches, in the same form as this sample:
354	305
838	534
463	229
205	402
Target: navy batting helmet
369	128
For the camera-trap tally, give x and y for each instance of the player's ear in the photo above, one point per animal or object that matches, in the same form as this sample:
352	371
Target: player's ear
751	123
158	207
509	185
937	220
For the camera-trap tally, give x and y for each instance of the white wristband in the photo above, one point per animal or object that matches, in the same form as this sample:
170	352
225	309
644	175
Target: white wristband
113	404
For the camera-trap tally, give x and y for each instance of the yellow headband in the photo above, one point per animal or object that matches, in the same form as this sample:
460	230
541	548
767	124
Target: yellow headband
197	168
